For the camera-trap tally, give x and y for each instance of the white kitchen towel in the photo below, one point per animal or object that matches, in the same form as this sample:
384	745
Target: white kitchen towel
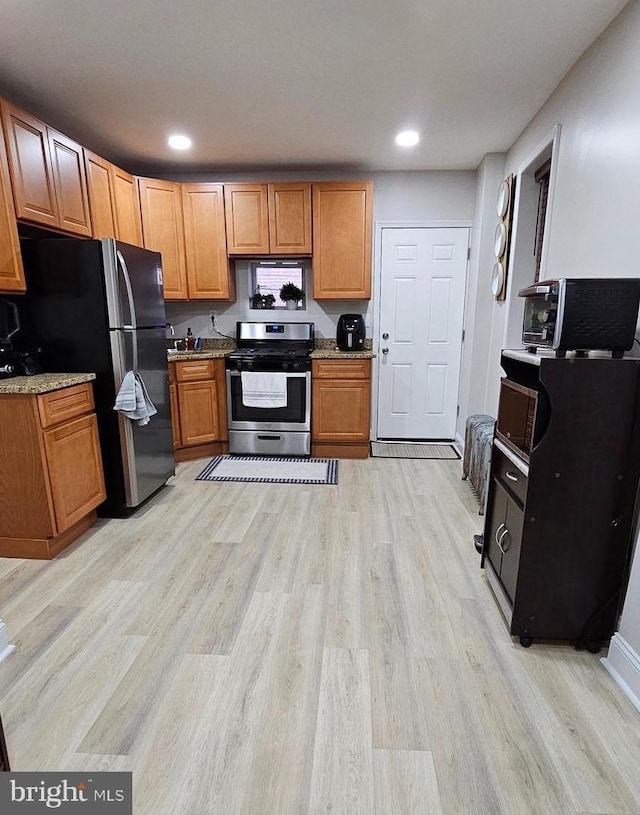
133	400
264	390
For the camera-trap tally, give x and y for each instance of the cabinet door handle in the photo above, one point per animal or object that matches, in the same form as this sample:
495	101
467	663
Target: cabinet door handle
500	546
511	475
495	537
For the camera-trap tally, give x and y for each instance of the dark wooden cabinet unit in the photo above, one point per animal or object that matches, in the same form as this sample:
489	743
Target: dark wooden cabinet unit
557	531
4	755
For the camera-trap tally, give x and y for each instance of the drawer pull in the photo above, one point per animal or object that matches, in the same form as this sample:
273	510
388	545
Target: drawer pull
511	475
495	537
500	546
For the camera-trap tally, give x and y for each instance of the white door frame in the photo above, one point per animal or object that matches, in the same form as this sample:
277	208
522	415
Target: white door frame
377	289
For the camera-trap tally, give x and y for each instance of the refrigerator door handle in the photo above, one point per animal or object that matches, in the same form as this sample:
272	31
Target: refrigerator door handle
127	449
122	266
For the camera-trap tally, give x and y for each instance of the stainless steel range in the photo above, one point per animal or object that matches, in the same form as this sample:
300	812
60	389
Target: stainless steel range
269	389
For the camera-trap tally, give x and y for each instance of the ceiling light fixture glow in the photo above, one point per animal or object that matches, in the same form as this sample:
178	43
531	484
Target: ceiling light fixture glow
408	138
179	142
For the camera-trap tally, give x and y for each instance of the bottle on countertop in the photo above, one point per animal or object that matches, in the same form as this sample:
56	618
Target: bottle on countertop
190	341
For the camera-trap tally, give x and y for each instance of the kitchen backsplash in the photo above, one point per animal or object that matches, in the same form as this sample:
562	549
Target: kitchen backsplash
196	314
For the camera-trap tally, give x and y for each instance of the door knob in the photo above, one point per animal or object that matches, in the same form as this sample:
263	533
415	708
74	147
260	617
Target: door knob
385	336
385	350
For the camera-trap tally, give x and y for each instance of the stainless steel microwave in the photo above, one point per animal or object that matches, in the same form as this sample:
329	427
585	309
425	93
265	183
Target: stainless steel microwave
517	417
581	314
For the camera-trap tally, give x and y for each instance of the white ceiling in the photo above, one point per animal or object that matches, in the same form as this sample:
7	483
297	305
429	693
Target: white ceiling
297	83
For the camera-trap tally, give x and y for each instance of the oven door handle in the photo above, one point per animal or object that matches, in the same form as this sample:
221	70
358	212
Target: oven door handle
288	374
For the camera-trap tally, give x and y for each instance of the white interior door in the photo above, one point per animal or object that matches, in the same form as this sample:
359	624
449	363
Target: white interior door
420	345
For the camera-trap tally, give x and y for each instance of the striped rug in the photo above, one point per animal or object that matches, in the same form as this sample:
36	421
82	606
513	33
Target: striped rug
412	450
271	470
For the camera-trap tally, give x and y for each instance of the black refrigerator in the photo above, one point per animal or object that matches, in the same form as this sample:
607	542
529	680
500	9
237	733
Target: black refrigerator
98	306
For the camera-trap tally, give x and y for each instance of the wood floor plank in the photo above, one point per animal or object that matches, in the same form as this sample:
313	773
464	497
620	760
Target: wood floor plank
405	783
133	701
163	755
87	640
279	775
81	695
464	769
342	780
223	608
223	747
592	782
34	642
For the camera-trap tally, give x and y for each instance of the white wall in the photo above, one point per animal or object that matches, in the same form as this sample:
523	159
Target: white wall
479	300
596	202
417	196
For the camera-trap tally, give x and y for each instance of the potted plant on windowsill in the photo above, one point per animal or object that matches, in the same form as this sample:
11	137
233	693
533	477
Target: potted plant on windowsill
268	301
291	295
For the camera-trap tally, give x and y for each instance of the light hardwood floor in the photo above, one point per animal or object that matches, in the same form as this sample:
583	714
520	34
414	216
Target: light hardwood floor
260	649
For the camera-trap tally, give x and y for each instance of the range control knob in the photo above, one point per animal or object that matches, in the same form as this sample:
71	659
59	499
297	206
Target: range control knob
239	365
285	366
296	366
250	365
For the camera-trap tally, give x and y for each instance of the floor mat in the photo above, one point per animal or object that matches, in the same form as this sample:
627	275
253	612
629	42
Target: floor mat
412	450
271	470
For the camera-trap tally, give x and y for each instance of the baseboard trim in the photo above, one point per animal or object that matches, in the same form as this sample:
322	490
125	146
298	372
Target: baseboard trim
458	443
214	448
623	663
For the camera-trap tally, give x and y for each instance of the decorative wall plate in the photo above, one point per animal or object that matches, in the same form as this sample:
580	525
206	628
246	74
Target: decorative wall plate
504	199
497	279
500	241
502	237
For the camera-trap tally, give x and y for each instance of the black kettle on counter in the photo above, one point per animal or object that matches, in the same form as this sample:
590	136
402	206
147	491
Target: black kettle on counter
351	332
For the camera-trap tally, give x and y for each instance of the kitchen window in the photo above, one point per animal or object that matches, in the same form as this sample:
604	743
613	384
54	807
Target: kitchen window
271	275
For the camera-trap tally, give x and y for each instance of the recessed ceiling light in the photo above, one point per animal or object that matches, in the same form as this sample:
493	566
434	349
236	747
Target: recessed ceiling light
408	138
179	142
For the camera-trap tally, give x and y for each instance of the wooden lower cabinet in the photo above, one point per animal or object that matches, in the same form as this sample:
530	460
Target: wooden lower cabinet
341	408
51	480
198	408
175	413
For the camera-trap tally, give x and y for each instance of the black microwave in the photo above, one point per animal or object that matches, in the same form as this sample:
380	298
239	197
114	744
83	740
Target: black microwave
581	314
522	416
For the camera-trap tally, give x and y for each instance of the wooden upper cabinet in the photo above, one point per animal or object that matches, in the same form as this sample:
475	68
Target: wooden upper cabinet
99	185
126	207
30	167
290	219
70	183
163	231
11	271
47	174
208	275
247	217
342	235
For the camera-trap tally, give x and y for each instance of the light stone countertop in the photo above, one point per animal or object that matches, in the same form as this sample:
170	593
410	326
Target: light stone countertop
42	383
329	353
181	356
